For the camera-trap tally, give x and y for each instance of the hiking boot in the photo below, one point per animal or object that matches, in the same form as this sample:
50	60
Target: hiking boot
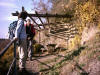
21	69
30	59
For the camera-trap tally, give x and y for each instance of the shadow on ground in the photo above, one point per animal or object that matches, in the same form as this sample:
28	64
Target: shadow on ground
26	73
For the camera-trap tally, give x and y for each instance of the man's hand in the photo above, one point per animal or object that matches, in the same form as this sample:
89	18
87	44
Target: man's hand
15	38
28	38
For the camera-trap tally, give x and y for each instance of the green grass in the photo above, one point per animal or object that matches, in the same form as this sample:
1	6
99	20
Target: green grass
99	58
82	65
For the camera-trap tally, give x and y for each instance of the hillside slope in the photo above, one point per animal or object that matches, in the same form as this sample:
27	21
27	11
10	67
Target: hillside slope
3	43
84	60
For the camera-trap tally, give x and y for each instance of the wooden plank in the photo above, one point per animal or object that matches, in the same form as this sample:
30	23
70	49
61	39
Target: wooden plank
64	38
33	20
40	19
48	15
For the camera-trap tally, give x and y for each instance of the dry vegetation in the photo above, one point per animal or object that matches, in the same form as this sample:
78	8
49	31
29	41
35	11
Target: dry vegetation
83	49
83	54
6	60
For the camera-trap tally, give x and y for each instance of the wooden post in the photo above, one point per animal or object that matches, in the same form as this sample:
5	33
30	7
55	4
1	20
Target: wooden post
15	68
39	37
47	19
23	9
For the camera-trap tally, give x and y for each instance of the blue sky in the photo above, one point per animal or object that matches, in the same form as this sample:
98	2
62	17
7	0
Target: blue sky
6	8
9	6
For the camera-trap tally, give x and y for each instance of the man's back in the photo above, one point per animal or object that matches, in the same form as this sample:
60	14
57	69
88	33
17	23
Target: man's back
20	30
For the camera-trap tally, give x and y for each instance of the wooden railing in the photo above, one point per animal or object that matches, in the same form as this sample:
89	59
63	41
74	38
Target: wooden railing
13	64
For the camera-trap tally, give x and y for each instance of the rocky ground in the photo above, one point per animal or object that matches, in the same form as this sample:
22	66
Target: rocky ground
82	61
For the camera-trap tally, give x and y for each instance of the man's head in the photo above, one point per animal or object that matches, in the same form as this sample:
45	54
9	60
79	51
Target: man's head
28	22
22	15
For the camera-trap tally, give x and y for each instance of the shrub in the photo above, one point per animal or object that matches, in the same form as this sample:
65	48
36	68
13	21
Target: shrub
6	60
86	13
37	48
74	43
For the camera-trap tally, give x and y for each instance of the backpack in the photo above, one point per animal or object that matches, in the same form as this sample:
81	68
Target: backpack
12	29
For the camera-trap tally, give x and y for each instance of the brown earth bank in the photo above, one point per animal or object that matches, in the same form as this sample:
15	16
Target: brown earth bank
3	43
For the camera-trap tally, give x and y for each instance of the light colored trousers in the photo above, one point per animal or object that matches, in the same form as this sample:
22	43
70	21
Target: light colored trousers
29	48
22	49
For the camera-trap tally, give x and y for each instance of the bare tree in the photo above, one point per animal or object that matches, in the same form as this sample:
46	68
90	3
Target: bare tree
42	6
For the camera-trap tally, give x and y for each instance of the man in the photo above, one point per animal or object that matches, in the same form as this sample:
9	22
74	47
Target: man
30	31
20	35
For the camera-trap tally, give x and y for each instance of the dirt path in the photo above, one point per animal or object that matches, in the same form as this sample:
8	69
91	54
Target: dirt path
32	66
41	63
